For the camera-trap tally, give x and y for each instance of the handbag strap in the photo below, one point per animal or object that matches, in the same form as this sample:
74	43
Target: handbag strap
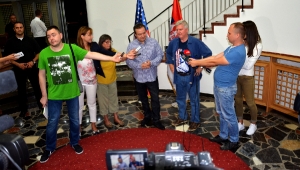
74	60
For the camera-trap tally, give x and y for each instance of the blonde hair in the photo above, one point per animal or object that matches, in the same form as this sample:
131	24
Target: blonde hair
182	22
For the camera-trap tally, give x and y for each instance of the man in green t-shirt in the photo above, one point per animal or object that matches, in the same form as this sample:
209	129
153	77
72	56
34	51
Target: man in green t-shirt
57	65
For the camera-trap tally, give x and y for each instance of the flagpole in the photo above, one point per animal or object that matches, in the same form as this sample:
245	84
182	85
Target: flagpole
204	12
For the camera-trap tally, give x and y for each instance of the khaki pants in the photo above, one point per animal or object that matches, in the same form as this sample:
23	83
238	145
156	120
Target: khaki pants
107	95
245	87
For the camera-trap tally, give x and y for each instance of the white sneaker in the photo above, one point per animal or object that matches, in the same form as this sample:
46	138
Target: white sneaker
252	129
174	105
241	126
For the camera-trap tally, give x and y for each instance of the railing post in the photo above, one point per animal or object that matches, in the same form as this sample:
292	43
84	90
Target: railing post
204	12
242	5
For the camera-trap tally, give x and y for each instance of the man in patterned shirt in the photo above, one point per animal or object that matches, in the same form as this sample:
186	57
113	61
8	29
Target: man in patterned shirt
144	68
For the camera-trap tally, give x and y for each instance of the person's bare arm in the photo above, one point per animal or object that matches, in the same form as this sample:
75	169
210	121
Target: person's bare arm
7	60
210	61
171	67
99	56
42	81
31	63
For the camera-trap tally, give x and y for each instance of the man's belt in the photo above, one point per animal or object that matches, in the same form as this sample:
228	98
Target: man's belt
184	74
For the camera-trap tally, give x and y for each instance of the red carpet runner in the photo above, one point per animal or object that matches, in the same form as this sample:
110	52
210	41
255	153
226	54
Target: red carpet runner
153	139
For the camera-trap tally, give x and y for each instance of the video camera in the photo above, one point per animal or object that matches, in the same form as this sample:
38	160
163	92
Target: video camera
13	149
174	158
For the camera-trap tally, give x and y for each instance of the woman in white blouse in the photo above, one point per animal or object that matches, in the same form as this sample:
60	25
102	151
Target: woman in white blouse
245	81
87	75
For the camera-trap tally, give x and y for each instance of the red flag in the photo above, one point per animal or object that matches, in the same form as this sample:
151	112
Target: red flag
176	16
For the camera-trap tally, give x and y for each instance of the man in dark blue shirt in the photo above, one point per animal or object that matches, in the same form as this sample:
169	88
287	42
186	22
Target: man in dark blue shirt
135	164
186	78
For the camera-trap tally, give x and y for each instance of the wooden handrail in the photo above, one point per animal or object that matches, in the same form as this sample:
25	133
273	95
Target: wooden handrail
281	56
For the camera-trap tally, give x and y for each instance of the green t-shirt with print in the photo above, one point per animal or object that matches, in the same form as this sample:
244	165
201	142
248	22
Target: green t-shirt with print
60	71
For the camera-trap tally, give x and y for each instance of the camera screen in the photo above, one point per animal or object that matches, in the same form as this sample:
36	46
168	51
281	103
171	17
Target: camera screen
126	160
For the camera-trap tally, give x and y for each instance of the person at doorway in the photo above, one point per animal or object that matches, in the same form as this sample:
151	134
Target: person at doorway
9	28
245	81
24	67
38	29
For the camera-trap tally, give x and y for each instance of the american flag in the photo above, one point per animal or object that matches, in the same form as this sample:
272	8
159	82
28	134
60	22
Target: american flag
140	16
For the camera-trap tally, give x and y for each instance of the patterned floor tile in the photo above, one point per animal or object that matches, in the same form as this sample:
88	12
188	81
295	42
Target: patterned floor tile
291	126
182	128
31	139
274	145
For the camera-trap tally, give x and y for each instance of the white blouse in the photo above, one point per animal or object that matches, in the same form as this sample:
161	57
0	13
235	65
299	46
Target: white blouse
248	67
87	72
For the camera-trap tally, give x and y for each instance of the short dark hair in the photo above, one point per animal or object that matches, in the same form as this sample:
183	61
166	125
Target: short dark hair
11	15
138	26
240	29
38	12
18	22
53	27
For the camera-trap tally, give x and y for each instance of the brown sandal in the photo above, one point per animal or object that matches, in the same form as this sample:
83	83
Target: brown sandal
107	123
117	121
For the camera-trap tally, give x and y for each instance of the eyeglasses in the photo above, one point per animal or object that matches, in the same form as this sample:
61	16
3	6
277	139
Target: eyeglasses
108	41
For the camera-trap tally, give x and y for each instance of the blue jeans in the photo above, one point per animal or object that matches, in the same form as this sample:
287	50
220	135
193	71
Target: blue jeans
224	100
54	111
182	88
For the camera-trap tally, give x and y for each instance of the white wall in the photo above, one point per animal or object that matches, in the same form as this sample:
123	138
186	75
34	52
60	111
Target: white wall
116	17
277	22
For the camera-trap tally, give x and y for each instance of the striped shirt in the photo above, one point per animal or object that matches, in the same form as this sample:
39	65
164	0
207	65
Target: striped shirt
150	50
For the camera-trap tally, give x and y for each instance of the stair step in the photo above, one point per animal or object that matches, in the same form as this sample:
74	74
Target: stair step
127	93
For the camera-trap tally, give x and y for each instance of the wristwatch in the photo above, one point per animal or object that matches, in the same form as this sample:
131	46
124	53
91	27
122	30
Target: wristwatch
33	61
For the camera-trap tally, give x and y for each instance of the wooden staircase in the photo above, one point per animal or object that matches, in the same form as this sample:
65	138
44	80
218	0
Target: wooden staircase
125	81
211	30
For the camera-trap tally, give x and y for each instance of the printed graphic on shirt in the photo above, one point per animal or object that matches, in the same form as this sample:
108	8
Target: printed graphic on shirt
60	69
182	59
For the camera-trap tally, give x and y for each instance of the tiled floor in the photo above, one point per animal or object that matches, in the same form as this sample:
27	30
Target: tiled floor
275	145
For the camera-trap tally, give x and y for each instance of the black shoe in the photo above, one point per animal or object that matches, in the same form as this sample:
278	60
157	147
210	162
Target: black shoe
45	156
24	114
159	125
229	145
193	126
218	139
145	122
78	149
179	122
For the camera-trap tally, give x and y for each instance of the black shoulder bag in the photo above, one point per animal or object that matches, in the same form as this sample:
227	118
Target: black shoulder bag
75	64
